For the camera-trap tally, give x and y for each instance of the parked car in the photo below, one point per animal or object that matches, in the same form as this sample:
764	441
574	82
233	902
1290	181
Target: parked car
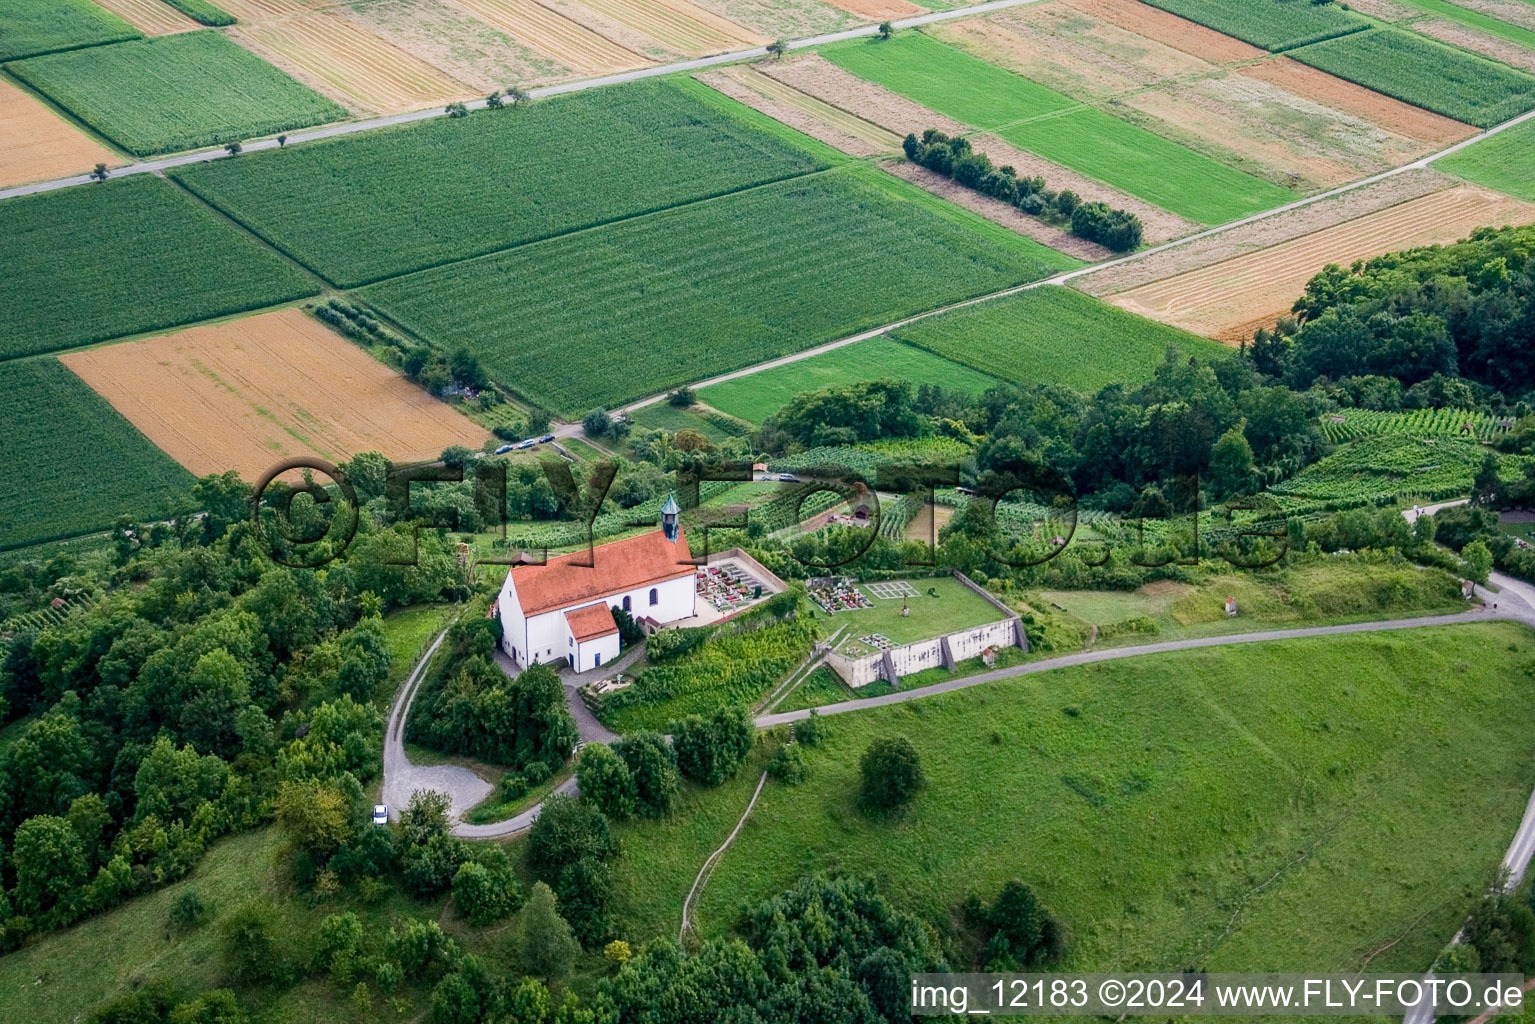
788	478
530	442
504	449
546	438
380	814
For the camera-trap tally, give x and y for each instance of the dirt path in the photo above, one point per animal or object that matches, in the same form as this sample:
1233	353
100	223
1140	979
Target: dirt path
713	861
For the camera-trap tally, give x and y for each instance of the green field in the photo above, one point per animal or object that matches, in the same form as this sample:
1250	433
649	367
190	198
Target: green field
1505	162
644	305
176	92
1426	74
382	203
942	605
671	419
1043	121
1379	471
1239	808
950	81
1476	20
758	396
1053	335
86	264
1145	164
71	463
29	27
1271	24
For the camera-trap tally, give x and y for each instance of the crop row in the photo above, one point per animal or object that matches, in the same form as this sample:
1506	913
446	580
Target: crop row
29	27
1353	424
1272	24
1383	470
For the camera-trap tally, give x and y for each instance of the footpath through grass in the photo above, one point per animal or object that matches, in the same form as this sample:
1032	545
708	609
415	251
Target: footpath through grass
1053	335
642	306
1257	807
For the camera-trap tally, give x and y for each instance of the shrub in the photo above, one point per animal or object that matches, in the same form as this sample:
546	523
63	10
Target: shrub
605	780
1018	929
251	950
547	944
809	730
486	890
892	774
585	892
566	831
710	750
788	765
654	769
188	910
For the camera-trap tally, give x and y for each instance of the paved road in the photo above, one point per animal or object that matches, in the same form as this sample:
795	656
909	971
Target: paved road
369	124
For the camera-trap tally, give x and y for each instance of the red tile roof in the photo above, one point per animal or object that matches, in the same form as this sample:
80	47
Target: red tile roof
616	567
592	621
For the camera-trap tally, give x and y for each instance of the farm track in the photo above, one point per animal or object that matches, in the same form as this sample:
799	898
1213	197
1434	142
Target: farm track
1230	299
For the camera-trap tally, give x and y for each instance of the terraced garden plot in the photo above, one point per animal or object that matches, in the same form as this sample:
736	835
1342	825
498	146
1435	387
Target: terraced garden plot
1505	162
1426	74
1066	47
40	144
461	45
386	202
1392	115
759	395
349	64
1231	299
948	80
1144	164
1053	335
151	17
247	393
30	27
1272	24
71	463
650	303
175	92
787	105
554	35
152	258
1246	122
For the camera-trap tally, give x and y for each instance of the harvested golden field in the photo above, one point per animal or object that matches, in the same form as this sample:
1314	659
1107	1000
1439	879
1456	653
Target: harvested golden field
1509	53
1070	50
265	10
852	135
555	35
353	67
783	19
1393	115
1179	33
248	393
879	10
1250	123
151	17
40	144
998	212
468	49
679	26
1231	299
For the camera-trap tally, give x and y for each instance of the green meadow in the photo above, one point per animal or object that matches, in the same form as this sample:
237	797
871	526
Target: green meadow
1505	162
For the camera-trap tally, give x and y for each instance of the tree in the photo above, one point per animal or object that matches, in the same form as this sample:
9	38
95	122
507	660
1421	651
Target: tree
547	946
886	30
282	140
252	952
456	109
892	774
682	398
654	768
710	750
605	780
788	765
315	817
234	148
517	96
100	173
188	910
494	101
777	48
597	423
1485	485
1231	461
49	860
1478	560
338	945
585	895
486	889
567	830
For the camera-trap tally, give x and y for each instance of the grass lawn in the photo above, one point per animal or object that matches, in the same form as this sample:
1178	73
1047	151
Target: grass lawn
671	419
653	302
1505	162
493	808
820	687
1145	164
948	80
408	631
1055	335
758	396
176	92
1427	74
1290	805
953	606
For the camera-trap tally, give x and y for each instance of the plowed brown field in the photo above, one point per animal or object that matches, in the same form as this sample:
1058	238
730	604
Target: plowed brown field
1399	117
1179	33
1230	300
553	34
39	144
246	394
803	113
151	17
352	66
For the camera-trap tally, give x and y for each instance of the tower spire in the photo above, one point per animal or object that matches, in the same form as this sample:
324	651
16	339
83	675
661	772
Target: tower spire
669	513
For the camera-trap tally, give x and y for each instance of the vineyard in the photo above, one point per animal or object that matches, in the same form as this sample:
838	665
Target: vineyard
1273	26
64	286
71	463
1426	74
598	157
652	302
175	92
1381	471
1353	424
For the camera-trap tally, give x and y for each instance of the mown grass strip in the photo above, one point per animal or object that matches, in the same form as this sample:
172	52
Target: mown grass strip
204	13
1054	335
1426	74
1475	19
650	303
1505	162
379	204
